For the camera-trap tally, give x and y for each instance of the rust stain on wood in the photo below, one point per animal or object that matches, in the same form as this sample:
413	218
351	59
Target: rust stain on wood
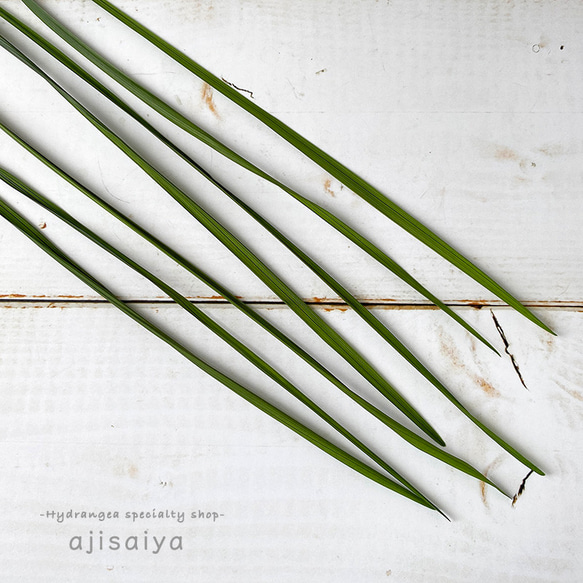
487	387
483	490
483	494
504	153
207	97
328	187
368	301
318	300
38	297
448	350
476	304
575	394
127	468
552	150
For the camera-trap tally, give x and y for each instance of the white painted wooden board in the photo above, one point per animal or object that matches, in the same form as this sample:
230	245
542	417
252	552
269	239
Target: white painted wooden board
99	416
470	118
467	114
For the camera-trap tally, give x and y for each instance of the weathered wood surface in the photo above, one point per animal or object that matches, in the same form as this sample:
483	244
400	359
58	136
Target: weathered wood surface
469	119
469	115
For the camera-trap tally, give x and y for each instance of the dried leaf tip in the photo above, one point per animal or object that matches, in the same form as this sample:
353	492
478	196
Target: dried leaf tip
521	489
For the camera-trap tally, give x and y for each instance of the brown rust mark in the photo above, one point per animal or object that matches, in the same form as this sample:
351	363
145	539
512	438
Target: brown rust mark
487	387
40	297
505	153
448	351
473	346
541	44
552	150
488	469
132	471
476	304
366	301
328	187
319	300
575	394
31	306
43	225
483	493
207	97
400	307
125	467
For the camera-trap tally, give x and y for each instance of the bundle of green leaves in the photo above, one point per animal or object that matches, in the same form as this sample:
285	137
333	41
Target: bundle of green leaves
250	259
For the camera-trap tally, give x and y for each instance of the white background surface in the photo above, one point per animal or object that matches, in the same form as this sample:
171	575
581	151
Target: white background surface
467	114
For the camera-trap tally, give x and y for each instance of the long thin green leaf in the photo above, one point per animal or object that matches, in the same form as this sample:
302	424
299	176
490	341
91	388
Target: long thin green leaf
197	132
350	179
401	430
207	321
276	284
27	229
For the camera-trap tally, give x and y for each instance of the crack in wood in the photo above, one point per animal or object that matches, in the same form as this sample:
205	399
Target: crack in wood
370	303
506	346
